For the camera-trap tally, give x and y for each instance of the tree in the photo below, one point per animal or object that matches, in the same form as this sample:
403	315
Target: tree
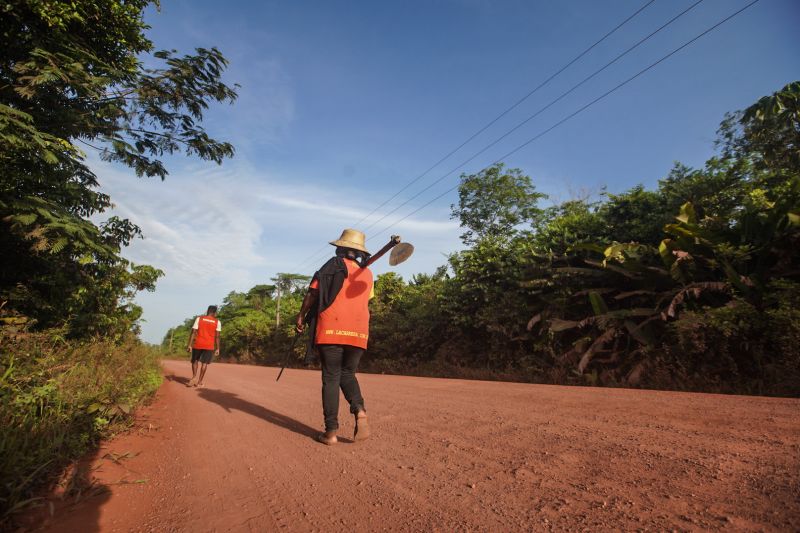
562	226
692	285
715	293
493	202
250	333
635	215
71	79
260	294
407	326
285	283
716	190
767	132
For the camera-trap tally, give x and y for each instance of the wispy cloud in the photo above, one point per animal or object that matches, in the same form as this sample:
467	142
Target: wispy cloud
216	229
194	226
344	214
265	107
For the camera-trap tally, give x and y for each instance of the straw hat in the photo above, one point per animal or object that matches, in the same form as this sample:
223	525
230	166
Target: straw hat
351	238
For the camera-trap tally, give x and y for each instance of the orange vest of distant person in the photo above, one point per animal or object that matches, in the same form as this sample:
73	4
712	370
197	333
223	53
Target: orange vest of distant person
207	327
346	320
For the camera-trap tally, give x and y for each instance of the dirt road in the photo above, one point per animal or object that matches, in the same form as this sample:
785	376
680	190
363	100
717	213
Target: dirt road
446	455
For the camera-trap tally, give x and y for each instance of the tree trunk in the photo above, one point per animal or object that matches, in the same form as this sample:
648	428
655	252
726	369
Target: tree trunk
278	313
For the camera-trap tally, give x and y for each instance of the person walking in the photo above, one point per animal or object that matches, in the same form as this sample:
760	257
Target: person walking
336	310
204	344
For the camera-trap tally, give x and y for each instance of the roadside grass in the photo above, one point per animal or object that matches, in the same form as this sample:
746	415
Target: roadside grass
58	398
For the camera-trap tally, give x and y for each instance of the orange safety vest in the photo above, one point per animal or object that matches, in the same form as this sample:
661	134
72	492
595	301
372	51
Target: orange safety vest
206	332
346	320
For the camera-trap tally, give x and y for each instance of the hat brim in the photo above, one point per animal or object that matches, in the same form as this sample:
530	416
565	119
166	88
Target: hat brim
349	244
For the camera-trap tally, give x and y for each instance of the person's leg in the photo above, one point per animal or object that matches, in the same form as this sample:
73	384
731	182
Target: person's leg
195	357
331	357
349	383
205	359
203	369
352	391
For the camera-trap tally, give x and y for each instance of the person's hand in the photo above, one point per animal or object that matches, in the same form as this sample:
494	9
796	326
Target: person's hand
300	325
216	352
189	349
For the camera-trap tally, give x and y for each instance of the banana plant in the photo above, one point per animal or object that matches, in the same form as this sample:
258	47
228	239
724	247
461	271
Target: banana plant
622	296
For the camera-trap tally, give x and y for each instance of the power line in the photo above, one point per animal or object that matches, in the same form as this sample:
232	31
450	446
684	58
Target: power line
495	119
509	109
536	114
542	110
578	111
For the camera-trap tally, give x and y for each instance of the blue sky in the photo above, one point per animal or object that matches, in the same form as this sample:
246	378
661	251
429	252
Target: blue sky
343	103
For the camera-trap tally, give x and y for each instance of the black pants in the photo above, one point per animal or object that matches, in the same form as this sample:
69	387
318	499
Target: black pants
339	366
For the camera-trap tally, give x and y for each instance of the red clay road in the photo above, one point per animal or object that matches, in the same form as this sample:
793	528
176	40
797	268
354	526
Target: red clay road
446	455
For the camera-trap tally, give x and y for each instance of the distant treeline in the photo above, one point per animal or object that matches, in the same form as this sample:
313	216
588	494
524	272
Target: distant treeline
692	286
256	325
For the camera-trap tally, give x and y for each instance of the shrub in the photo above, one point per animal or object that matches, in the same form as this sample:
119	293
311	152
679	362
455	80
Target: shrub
57	399
739	347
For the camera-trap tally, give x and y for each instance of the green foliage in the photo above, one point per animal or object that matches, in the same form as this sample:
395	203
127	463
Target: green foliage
692	285
285	283
177	339
566	225
739	347
685	286
716	269
495	203
768	132
484	300
635	216
407	326
250	328
57	399
71	77
635	290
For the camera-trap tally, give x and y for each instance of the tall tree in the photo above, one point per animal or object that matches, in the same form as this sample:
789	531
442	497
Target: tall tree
286	283
71	79
494	202
767	132
259	294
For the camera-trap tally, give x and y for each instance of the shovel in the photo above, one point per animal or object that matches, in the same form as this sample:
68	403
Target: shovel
400	252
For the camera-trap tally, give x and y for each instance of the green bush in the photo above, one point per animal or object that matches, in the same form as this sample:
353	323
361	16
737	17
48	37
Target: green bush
57	399
739	347
692	285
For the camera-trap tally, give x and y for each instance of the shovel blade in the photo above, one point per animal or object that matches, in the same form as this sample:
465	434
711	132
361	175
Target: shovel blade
400	253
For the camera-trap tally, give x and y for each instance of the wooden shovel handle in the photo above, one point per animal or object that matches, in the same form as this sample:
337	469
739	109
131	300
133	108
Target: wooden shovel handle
394	241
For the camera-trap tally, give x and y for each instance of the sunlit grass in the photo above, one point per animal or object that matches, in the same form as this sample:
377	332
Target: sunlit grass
57	399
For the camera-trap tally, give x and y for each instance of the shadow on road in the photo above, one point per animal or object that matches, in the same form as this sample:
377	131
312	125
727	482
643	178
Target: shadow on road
229	400
180	379
74	505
